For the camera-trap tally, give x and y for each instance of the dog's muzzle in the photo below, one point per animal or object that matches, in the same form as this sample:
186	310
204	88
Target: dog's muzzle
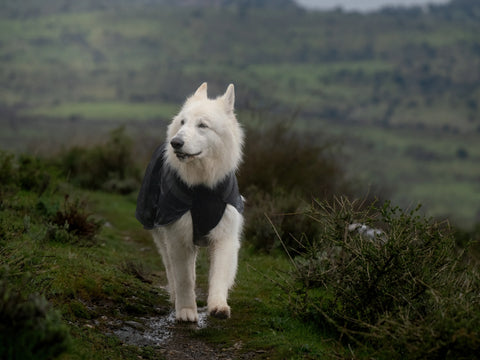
177	145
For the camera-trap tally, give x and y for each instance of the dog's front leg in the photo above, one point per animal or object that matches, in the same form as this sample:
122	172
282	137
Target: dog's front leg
160	240
182	260
182	254
224	246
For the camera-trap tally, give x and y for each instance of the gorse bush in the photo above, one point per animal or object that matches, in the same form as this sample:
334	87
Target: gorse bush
109	167
405	291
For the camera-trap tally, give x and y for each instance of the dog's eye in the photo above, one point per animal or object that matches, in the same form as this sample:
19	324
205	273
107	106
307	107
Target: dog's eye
202	125
182	122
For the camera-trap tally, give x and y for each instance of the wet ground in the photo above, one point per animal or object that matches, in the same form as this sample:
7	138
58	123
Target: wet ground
173	340
156	331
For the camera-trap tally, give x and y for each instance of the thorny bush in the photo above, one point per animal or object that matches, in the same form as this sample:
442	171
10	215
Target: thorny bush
406	291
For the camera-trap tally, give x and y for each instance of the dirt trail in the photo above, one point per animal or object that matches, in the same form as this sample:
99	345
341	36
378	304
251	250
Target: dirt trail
172	340
168	338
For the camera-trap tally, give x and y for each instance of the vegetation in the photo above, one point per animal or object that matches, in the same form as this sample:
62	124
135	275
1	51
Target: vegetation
82	272
390	96
404	292
398	87
29	327
109	166
283	170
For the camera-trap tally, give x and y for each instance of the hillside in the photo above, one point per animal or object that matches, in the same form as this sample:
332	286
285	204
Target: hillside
80	279
399	89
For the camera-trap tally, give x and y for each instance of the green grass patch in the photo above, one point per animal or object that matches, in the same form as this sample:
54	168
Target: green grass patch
261	322
107	111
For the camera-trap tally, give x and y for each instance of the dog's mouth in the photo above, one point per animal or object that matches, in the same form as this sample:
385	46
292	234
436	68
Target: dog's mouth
184	156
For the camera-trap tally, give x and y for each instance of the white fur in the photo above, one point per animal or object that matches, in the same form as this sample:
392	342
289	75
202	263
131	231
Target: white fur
209	128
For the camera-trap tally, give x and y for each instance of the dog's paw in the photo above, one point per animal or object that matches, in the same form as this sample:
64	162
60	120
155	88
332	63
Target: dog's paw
187	315
220	312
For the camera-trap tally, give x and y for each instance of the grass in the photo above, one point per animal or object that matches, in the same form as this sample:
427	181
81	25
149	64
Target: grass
415	166
260	318
100	280
114	111
86	283
117	278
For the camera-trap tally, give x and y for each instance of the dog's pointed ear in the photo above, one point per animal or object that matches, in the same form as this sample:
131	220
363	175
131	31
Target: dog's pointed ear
201	91
229	97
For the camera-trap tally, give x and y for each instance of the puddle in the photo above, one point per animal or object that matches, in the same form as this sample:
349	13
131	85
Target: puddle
156	330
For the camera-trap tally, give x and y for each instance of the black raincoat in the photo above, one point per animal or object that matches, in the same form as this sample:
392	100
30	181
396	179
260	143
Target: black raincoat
164	198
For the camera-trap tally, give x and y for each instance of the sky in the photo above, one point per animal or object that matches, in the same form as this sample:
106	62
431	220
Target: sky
364	5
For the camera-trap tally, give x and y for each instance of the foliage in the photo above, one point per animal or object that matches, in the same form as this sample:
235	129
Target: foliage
73	223
406	293
24	172
277	157
73	278
109	167
34	176
469	239
402	85
282	170
7	172
29	327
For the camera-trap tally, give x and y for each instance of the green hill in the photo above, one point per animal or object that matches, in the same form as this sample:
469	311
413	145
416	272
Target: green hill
400	89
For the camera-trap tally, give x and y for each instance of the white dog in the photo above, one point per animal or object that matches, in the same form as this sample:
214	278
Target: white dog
189	198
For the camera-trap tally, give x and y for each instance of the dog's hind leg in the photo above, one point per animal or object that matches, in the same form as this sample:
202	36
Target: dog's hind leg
224	246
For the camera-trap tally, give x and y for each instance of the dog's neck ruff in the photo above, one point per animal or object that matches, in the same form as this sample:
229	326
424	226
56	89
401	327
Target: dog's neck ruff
164	198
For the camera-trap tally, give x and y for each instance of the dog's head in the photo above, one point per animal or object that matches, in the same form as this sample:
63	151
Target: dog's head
205	139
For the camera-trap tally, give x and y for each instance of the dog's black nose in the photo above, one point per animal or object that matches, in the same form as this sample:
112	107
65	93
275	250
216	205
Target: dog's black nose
177	143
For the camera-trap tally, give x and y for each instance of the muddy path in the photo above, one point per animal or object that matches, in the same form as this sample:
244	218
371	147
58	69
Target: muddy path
160	336
157	332
172	340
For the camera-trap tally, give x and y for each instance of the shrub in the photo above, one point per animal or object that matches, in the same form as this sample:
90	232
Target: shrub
404	293
273	215
73	223
7	170
29	327
108	167
33	174
282	171
279	158
25	172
